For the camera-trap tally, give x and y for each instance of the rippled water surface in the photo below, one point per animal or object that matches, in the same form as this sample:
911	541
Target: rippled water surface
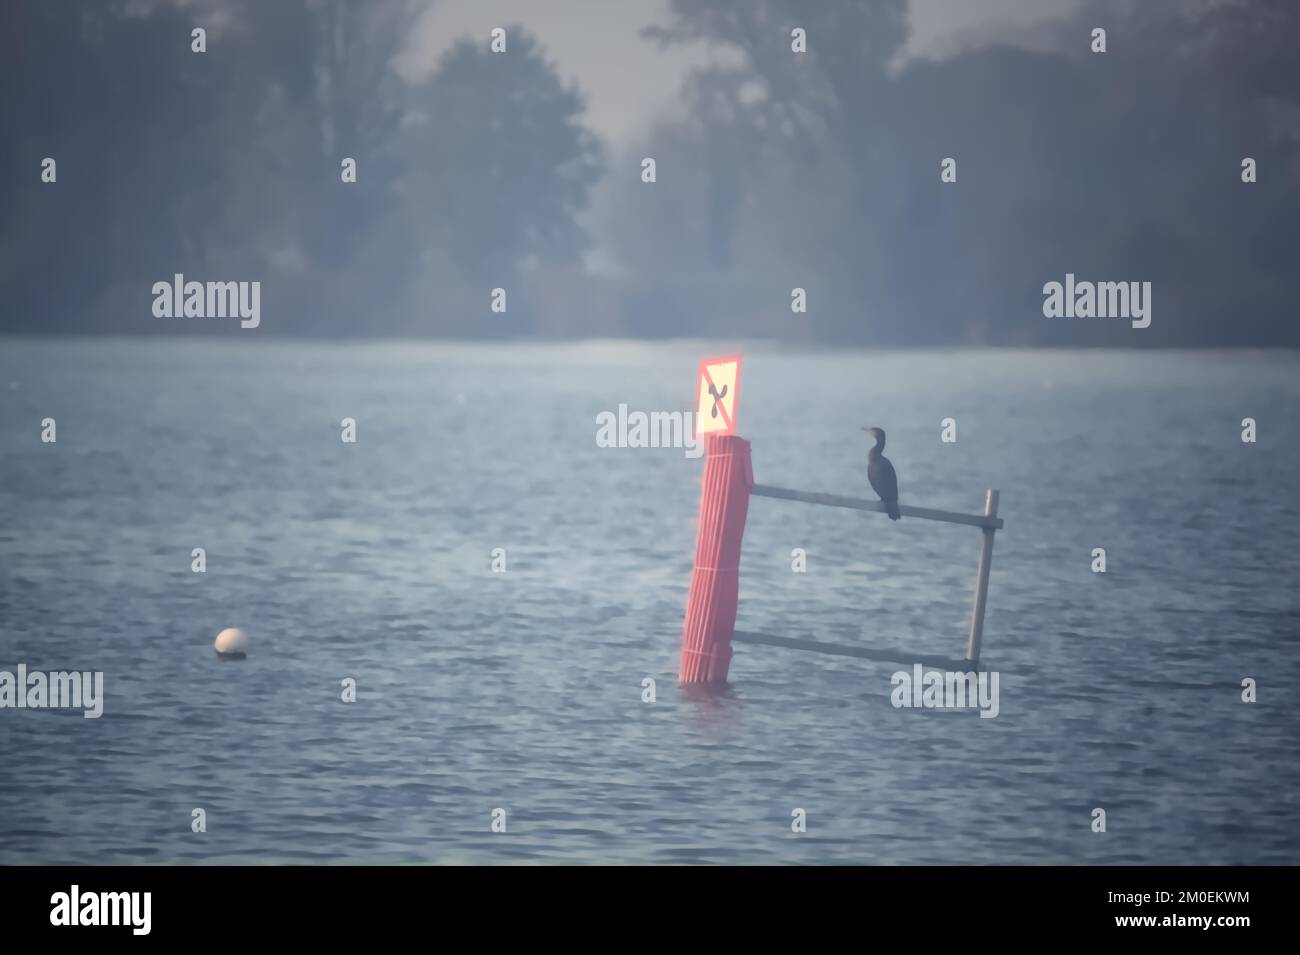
523	690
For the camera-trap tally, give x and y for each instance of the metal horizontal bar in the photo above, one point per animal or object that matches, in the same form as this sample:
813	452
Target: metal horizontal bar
863	653
859	504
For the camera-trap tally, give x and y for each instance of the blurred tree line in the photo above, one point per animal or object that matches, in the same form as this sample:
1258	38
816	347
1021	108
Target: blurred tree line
817	170
226	165
822	170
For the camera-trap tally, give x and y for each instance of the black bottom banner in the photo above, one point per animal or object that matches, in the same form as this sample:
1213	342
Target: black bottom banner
257	904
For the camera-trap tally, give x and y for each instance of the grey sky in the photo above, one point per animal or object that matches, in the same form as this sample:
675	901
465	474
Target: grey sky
626	78
629	80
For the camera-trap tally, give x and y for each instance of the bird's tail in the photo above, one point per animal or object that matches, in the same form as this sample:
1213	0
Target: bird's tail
892	508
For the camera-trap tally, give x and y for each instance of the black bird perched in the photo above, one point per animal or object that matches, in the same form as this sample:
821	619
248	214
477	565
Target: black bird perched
881	474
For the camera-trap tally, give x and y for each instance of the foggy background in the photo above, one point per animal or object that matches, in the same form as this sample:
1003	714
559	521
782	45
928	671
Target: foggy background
775	169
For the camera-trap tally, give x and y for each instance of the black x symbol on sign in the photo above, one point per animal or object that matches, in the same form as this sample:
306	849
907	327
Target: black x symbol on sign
717	396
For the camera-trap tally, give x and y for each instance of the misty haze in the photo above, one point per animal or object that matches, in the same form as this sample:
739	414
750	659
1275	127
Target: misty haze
455	432
819	171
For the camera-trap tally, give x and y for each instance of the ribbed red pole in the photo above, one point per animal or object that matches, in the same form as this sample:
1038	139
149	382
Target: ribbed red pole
715	582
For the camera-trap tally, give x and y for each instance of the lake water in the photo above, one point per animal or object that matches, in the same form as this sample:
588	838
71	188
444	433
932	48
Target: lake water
522	690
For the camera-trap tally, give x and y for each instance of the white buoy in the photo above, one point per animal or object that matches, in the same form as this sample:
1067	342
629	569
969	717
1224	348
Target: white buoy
232	643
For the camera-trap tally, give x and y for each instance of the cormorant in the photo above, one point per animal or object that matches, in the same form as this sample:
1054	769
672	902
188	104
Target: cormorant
881	474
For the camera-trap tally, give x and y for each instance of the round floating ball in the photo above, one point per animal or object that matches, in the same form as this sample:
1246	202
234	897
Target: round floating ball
232	644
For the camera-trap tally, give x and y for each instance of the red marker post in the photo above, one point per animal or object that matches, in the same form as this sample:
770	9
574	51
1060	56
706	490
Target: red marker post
724	505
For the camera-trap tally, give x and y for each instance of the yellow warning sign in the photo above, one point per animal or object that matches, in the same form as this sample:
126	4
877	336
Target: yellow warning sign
715	412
